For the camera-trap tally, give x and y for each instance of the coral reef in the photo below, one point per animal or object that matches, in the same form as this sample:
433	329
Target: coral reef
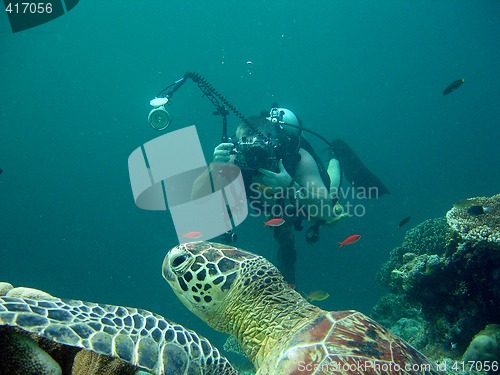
445	280
406	321
476	228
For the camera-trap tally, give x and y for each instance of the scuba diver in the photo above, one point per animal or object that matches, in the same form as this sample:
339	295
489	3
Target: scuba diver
284	178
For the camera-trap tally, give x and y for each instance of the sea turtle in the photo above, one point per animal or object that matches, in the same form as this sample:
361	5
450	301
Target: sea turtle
243	294
96	339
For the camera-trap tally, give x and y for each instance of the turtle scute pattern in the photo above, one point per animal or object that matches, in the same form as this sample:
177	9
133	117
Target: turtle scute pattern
347	342
137	336
243	294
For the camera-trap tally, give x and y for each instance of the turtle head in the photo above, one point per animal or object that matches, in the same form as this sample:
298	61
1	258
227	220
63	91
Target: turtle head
209	276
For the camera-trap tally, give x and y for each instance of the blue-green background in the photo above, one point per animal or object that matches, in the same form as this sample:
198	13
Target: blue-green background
74	99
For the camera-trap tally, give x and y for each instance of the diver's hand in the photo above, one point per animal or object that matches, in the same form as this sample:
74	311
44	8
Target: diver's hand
276	180
221	153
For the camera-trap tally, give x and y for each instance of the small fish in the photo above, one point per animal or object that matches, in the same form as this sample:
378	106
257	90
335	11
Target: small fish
192	235
453	86
466	203
268	192
350	240
404	221
449	346
1	171
317	295
276	222
477	210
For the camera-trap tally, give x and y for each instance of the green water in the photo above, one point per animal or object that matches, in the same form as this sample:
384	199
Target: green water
75	97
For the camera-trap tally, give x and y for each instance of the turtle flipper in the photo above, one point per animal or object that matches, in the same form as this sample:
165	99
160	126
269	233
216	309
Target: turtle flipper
137	336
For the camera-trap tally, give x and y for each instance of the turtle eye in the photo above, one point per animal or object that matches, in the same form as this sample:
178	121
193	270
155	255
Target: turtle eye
177	262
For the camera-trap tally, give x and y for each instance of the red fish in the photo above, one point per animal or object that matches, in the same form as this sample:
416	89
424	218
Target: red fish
350	240
192	235
276	222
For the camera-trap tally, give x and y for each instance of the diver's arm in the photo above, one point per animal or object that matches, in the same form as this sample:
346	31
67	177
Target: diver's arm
307	176
202	186
333	171
307	181
320	203
277	180
222	153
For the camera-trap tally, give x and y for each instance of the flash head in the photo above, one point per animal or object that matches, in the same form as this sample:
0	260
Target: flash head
159	118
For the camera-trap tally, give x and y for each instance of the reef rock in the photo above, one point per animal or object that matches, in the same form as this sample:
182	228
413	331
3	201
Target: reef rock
485	346
445	280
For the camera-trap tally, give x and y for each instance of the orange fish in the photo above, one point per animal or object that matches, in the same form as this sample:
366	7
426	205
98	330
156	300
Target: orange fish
350	240
192	235
276	222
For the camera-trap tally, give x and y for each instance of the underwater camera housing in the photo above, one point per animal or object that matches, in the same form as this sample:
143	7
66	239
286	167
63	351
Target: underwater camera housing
253	153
